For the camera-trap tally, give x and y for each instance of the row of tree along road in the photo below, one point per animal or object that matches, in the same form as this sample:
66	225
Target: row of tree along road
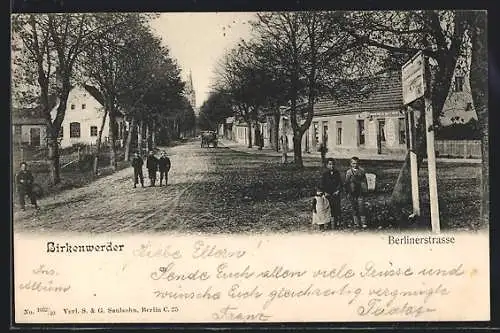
117	54
295	58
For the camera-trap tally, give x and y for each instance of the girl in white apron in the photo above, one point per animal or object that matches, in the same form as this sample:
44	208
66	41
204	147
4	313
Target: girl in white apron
320	210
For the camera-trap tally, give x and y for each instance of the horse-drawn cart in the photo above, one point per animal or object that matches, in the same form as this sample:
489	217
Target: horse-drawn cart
209	138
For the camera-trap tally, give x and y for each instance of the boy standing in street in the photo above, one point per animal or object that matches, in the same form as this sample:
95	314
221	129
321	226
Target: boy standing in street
356	187
137	163
331	183
152	166
24	182
163	167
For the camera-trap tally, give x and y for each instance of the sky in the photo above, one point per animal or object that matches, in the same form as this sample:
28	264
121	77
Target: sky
198	40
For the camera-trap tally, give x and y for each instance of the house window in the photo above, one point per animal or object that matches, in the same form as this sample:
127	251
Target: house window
93	130
72	106
402	131
61	132
339	133
84	106
361	131
74	130
316	133
381	130
325	133
459	83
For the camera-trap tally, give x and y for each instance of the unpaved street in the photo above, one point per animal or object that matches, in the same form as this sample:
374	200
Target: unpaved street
111	204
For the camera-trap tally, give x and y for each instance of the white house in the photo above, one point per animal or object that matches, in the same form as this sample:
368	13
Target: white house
83	118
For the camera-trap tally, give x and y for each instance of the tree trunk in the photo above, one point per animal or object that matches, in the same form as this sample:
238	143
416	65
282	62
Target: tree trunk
297	148
53	133
98	144
177	129
55	168
148	138
276	134
112	139
249	133
479	89
153	137
140	130
257	136
284	148
112	152
130	135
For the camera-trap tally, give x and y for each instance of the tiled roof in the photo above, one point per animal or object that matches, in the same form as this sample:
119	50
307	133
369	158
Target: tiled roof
94	92
28	116
386	96
29	121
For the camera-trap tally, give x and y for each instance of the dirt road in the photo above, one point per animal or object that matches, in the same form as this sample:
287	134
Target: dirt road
111	204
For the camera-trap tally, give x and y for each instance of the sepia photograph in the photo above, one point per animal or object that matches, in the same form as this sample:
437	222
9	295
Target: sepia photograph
190	139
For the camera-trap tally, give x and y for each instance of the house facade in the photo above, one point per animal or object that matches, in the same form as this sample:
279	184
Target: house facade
239	131
83	119
373	124
377	123
28	129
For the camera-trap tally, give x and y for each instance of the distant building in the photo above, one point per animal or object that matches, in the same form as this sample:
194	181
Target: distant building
373	125
190	93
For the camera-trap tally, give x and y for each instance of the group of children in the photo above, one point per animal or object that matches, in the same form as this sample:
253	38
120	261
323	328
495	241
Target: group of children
326	210
154	165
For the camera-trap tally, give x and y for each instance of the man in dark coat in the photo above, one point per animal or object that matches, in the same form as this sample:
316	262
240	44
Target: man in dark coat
331	183
137	163
152	166
24	182
164	167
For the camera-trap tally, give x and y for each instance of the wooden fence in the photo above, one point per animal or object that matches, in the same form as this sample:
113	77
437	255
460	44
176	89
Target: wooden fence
68	156
458	148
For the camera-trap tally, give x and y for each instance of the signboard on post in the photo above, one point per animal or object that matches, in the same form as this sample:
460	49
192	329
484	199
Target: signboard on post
412	78
415	82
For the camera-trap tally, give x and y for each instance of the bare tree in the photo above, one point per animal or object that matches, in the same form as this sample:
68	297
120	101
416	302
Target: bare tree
315	56
440	35
242	81
105	65
51	46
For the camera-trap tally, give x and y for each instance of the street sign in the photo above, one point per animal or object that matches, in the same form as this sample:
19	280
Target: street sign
412	78
415	79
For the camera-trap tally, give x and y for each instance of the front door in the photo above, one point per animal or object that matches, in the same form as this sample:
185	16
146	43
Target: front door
35	136
381	136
